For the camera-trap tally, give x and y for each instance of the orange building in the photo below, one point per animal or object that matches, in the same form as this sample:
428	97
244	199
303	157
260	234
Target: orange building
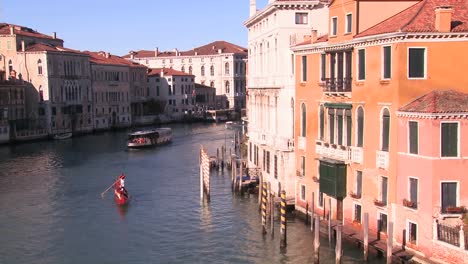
377	57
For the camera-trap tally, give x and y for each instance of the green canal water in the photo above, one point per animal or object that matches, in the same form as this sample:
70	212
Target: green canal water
52	210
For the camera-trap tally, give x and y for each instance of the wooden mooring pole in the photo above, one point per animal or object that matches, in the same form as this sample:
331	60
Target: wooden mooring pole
312	214
264	207
366	236
283	220
317	240
272	219
389	242
329	222
338	251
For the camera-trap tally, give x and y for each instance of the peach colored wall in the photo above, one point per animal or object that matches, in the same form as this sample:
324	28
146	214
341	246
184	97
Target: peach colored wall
339	9
372	13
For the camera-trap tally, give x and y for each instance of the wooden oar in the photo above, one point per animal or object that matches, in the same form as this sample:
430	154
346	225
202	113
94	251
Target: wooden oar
102	194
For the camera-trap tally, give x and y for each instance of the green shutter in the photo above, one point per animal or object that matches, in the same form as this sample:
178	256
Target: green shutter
385	130
323	66
322	122
360	139
331	121
413	137
304	68
333	178
387	52
416	63
348	128
449	140
340	127
362	64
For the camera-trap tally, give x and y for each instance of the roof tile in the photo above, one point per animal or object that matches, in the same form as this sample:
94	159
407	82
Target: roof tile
439	102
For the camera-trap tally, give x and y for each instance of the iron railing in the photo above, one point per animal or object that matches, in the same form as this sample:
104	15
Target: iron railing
448	234
337	85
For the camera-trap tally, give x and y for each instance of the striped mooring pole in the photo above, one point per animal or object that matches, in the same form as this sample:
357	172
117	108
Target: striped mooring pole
264	207
283	220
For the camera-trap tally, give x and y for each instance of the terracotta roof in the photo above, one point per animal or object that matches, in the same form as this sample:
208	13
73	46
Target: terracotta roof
208	49
420	17
49	47
102	57
24	31
438	102
167	72
323	38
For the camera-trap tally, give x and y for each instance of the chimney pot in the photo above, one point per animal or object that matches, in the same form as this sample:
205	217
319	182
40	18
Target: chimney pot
443	18
313	37
23	46
12	30
156	51
54	35
220	51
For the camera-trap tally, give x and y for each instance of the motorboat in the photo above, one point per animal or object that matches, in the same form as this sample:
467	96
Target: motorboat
148	138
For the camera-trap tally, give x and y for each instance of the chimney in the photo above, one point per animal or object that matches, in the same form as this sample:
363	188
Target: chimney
23	46
253	7
162	73
443	18
107	55
313	37
176	51
156	51
220	51
196	53
54	35
12	30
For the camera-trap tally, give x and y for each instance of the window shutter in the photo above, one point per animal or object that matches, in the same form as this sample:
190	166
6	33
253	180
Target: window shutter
416	62
413	137
340	127
323	66
449	140
384	189
362	64
359	183
360	139
385	130
387	62
322	122
414	190
348	128
331	119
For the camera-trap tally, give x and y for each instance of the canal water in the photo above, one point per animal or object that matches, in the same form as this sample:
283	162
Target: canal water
52	210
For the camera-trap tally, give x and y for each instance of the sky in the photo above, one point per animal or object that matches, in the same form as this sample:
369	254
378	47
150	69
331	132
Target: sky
118	26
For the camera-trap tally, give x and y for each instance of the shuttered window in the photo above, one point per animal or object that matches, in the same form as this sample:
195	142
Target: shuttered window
413	137
331	121
360	121
414	191
303	120
357	213
359	183
323	69
276	167
362	64
384	190
322	122
416	62
385	129
340	126
449	140
449	195
348	127
304	68
387	62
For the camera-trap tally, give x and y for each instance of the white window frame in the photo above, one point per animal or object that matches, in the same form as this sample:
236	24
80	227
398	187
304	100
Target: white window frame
320	66
357	65
346	23
303	198
303	77
379	212
303	166
458	139
301	15
408	231
382	70
332	19
354	211
425	64
457	195
357	127
317	202
380	189
417	190
409	137
381	128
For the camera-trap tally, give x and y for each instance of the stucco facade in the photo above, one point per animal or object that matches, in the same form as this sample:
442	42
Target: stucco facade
271	32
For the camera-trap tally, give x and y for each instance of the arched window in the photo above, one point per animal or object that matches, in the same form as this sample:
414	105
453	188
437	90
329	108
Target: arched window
190	69
212	84
182	69
322	123
202	70
212	70
303	120
360	127
39	67
385	129
226	68
227	87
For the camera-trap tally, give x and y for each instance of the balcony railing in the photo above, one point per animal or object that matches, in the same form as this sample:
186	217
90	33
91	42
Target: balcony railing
451	234
302	143
333	151
337	85
382	160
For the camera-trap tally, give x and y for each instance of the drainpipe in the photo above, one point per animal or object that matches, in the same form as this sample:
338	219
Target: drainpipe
357	17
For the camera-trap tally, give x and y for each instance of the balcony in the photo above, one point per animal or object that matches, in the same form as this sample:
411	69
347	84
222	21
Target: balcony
302	142
382	160
333	151
336	85
450	233
284	144
357	155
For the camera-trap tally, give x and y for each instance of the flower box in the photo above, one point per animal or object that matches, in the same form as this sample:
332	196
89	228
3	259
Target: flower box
334	146
315	179
355	195
409	204
455	209
342	147
318	143
326	145
298	173
379	203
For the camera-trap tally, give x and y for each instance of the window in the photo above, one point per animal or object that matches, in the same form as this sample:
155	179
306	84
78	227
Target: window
383	222
385	129
212	84
357	213
416	62
226	68
182	69
349	23
362	64
227	87
331	121
303	164
323	64
320	199
212	70
190	69
322	123
268	161
303	192
39	67
387	62
360	127
359	183
202	70
304	69
449	195
449	140
8	45
413	137
412	232
334	26
276	167
303	120
383	189
250	151
348	127
413	191
301	18
339	120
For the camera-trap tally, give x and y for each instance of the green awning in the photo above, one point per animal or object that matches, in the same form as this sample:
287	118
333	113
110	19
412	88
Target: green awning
333	178
338	106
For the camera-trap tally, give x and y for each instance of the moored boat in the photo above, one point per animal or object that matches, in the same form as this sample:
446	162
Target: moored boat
63	136
147	138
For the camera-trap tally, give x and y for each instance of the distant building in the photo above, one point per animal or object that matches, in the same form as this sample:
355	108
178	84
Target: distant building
12	107
111	88
219	64
205	97
175	90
